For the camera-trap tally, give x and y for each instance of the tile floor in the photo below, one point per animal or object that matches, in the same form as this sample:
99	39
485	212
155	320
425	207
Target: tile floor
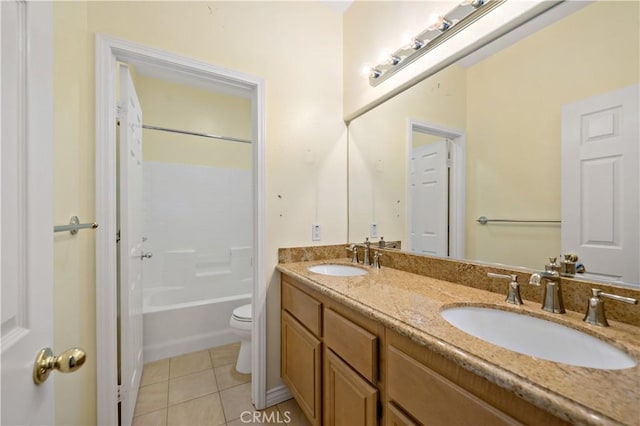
203	388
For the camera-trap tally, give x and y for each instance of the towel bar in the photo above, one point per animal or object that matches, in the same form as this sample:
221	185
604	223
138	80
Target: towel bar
74	225
483	220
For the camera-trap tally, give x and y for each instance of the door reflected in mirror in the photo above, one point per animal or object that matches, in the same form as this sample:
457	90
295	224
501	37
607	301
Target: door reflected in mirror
548	133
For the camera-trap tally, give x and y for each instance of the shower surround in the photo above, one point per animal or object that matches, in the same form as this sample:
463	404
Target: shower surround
198	225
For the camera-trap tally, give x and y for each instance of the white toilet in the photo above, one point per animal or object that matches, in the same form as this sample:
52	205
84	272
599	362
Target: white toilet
240	324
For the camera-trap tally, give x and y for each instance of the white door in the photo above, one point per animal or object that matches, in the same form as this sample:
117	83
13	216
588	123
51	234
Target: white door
600	181
131	254
429	189
27	210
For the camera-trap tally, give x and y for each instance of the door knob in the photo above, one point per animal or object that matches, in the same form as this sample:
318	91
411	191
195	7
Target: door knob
67	362
147	255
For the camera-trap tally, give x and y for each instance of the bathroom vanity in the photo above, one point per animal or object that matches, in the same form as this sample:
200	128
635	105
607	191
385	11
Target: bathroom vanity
374	349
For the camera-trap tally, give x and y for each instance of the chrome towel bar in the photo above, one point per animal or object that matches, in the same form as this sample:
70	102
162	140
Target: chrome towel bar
74	225
483	220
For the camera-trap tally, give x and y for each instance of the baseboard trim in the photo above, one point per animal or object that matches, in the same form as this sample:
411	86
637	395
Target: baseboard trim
277	395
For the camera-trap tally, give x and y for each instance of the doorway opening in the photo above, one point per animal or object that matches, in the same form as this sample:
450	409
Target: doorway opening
176	70
435	189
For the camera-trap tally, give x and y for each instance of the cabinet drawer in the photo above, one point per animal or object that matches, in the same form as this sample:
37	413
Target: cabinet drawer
303	307
354	344
432	399
395	417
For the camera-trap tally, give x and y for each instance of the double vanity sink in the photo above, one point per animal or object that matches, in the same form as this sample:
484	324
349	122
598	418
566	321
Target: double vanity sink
585	373
518	332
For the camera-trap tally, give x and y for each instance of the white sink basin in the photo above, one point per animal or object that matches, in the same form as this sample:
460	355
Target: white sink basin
337	270
537	337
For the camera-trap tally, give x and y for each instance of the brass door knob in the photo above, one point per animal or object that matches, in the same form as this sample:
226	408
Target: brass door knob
67	362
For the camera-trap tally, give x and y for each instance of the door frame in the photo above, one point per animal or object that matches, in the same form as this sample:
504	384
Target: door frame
457	184
109	50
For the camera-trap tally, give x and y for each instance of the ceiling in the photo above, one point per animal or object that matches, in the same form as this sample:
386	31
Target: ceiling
339	5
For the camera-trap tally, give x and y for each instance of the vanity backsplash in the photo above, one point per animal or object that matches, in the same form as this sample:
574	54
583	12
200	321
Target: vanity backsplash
576	292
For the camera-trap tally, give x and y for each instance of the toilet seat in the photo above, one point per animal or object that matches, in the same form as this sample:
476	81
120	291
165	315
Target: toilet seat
242	313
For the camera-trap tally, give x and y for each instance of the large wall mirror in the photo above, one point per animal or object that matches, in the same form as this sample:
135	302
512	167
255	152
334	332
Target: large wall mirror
541	126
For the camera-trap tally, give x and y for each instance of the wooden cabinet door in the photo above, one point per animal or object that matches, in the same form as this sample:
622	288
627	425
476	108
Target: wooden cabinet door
349	400
301	366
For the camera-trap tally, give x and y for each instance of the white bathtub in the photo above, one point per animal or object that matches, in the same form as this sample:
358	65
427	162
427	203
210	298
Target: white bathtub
179	320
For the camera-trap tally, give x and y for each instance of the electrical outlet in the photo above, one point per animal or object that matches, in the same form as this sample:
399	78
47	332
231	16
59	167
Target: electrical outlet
315	232
374	230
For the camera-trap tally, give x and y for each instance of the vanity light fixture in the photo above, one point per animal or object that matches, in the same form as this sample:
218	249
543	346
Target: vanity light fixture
441	28
394	60
375	73
417	44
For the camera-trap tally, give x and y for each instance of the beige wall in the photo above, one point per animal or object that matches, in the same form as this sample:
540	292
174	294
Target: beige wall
284	43
177	106
514	124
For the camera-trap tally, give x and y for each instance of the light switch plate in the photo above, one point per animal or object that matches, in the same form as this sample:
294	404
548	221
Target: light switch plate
374	230
315	232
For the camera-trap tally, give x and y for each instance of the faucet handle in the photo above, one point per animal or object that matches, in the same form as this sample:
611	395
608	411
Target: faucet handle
513	296
553	265
512	277
376	259
595	308
535	279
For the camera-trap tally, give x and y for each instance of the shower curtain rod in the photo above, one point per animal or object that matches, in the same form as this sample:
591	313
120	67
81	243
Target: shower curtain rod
205	135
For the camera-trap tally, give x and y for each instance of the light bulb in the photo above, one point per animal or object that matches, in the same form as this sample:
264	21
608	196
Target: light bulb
384	55
433	20
370	72
407	39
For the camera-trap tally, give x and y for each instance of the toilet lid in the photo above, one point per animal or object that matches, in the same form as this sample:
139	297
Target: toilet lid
243	313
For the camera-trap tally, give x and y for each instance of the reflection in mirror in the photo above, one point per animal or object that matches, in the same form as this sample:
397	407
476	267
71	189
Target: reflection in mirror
539	130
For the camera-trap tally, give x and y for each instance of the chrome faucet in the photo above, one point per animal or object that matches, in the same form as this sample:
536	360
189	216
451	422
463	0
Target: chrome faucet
552	296
595	307
513	296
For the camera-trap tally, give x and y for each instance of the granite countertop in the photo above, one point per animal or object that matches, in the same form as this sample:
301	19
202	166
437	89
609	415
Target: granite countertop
410	305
